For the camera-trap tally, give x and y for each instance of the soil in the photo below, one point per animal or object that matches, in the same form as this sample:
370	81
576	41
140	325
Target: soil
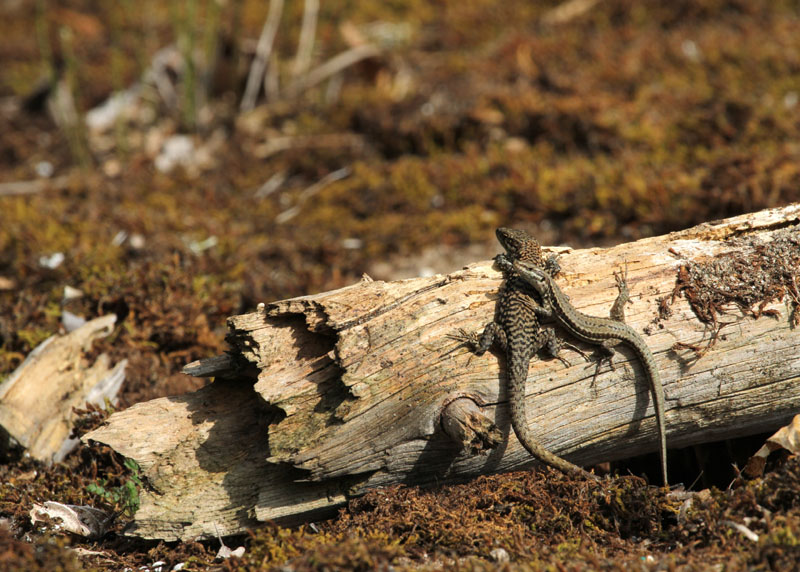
625	119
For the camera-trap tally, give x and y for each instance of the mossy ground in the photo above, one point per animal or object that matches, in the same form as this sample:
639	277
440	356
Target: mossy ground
633	119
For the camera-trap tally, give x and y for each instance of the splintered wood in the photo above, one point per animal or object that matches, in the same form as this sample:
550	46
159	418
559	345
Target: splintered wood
37	400
324	397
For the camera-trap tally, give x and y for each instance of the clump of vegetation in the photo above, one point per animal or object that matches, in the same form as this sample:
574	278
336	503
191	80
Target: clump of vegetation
124	495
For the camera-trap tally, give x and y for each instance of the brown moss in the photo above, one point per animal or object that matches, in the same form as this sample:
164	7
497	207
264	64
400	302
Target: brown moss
48	553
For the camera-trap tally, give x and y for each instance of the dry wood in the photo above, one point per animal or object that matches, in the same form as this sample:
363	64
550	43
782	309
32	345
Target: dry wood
464	422
36	401
325	396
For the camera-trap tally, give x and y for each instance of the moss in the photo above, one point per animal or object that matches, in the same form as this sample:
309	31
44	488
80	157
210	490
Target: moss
783	536
20	76
32	337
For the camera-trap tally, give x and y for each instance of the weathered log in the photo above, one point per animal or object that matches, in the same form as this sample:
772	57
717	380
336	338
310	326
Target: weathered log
325	396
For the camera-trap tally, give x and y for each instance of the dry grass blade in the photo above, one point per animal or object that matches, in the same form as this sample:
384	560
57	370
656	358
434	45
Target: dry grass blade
263	51
333	66
305	45
31	187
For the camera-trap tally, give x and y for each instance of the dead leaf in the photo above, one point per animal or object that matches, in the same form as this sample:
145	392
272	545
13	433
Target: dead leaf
81	520
787	438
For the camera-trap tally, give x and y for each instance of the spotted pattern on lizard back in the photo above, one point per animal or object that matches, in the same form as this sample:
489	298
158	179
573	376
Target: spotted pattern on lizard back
516	329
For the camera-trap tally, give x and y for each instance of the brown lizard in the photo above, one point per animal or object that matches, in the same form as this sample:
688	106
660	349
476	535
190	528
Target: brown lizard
516	329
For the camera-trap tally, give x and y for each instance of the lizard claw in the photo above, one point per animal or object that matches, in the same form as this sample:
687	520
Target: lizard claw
552	266
578	350
469	340
564	361
621	278
503	263
461	335
465	340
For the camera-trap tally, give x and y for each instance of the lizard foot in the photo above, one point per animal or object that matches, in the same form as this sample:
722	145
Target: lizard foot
465	339
600	360
577	349
503	263
552	266
469	339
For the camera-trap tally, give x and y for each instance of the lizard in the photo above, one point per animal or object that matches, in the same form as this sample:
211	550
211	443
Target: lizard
605	332
516	330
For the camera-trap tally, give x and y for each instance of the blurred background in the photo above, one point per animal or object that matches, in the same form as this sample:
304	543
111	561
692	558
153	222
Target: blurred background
178	162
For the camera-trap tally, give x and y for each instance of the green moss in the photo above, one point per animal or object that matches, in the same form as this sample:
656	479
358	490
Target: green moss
782	536
569	548
32	337
21	75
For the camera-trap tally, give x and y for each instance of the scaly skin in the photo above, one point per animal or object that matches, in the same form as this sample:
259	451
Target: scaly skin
516	329
605	332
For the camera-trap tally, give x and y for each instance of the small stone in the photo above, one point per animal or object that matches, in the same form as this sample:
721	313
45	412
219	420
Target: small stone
499	555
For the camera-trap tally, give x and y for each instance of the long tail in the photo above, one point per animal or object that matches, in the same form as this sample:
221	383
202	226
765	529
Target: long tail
658	405
516	394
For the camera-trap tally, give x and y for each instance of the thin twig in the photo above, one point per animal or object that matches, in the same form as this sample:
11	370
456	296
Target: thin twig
333	66
746	532
567	11
332	177
305	45
278	144
272	84
263	51
271	185
31	187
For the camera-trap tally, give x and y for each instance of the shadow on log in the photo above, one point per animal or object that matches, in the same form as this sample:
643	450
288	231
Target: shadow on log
326	396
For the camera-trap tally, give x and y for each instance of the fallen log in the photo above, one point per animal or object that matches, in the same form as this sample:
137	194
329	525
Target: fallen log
326	396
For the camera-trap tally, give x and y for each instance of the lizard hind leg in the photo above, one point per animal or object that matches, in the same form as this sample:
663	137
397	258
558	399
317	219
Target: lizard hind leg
552	345
605	353
492	334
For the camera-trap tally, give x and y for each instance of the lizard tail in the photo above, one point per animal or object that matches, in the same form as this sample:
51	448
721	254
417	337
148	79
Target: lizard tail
657	389
658	405
516	396
663	452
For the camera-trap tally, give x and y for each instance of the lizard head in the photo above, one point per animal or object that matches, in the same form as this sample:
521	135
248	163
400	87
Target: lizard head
519	244
532	274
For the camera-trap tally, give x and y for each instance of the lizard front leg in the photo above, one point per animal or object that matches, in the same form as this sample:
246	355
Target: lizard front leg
492	334
616	313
